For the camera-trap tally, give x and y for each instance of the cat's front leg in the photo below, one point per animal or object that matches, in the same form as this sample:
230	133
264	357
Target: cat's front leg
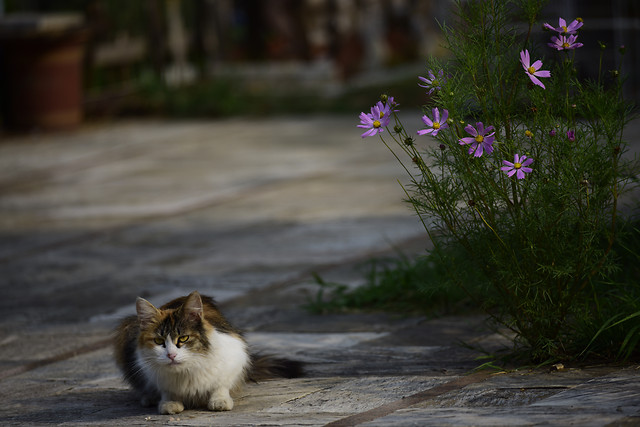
148	400
149	397
220	400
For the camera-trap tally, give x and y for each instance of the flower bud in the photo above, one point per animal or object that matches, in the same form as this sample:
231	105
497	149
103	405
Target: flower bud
585	183
622	49
602	45
384	98
408	141
397	129
443	147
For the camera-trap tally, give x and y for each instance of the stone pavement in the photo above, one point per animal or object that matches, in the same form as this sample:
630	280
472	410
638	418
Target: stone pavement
244	210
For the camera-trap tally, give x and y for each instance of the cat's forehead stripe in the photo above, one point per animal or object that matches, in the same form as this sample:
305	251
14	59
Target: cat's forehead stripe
169	324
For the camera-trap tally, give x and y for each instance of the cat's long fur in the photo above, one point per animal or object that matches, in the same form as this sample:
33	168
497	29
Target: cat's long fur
186	354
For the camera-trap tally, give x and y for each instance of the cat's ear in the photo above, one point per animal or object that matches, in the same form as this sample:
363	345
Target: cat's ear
146	311
192	307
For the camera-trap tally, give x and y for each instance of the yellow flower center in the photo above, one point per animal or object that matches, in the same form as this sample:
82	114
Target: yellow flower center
479	138
531	70
377	124
436	125
528	133
565	45
517	165
564	29
381	114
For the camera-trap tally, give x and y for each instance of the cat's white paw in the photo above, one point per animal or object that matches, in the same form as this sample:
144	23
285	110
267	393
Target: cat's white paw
170	407
220	401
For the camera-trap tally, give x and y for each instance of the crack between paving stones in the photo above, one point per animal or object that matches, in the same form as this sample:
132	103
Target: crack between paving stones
21	369
414	399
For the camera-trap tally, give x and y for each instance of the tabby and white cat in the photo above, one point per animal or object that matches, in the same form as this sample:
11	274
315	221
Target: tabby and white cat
186	354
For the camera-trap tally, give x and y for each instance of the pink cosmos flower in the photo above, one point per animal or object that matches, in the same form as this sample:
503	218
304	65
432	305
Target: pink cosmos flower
432	83
481	140
563	28
384	109
376	121
388	105
518	167
533	70
564	42
571	135
438	123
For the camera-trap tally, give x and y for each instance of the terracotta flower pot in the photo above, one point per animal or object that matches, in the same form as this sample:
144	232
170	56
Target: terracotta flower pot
42	72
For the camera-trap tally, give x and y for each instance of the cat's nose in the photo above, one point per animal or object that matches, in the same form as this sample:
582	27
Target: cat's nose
171	356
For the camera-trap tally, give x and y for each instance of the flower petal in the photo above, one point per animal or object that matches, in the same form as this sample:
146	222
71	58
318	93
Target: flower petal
526	163
436	115
488	148
535	81
524	58
574	26
471	130
370	132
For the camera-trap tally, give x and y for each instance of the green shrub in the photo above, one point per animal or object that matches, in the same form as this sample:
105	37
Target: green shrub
526	176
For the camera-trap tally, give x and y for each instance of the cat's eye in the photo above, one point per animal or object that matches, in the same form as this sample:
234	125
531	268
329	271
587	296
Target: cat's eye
183	339
158	341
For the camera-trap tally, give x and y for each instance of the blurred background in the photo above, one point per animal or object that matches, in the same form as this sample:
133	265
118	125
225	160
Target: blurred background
67	61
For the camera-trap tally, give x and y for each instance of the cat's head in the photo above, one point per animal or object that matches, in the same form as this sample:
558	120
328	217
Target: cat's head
172	337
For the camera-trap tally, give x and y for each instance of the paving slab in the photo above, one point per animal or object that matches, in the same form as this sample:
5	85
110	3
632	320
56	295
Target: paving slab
245	210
